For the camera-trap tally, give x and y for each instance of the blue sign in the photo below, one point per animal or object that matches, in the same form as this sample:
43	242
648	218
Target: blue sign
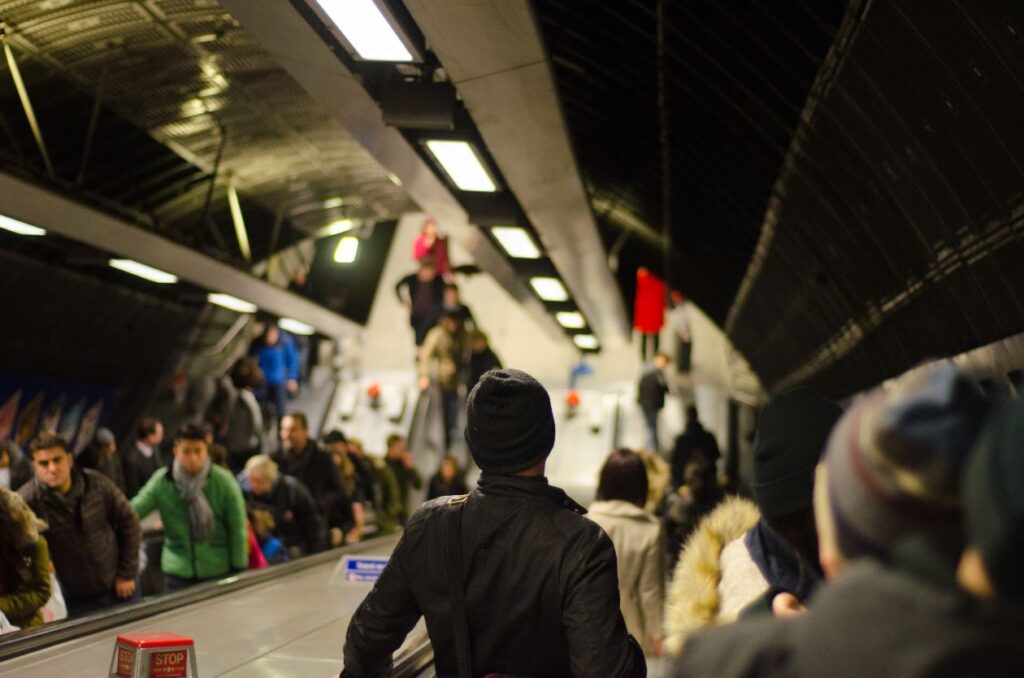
363	569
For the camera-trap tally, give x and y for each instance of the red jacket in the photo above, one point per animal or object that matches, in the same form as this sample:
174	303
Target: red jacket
649	306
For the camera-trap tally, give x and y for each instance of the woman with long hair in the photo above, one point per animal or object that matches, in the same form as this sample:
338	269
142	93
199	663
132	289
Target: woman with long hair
639	544
24	562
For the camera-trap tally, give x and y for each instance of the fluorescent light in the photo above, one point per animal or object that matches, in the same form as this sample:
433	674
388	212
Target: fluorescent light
148	272
393	178
337	226
20	227
572	320
516	242
367	29
463	165
230	302
587	342
333	202
549	289
295	326
347	249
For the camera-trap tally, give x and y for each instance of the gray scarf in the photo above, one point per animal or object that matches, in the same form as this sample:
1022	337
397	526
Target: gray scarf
191	490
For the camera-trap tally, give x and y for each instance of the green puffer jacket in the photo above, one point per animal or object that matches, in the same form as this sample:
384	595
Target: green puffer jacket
224	551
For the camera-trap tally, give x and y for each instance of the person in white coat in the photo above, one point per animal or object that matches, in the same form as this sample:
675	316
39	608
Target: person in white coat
639	545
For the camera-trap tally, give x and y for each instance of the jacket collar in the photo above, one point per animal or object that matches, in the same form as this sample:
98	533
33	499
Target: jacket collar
618	507
512	486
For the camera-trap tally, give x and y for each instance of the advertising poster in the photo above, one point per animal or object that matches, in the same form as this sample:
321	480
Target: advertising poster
29	405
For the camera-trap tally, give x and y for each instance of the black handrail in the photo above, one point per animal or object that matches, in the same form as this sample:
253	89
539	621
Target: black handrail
29	640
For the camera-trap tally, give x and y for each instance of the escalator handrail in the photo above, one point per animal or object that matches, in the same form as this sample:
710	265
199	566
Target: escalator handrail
29	640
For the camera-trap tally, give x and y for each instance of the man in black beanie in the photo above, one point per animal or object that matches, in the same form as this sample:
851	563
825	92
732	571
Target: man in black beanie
511	579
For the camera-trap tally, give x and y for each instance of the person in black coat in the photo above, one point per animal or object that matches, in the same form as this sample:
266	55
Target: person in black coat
540	586
300	457
297	521
142	459
423	297
93	533
694	442
651	397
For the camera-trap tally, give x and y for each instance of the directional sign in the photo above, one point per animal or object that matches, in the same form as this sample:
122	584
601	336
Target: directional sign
363	569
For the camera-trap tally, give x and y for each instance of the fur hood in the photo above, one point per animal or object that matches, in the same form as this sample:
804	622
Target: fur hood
695	597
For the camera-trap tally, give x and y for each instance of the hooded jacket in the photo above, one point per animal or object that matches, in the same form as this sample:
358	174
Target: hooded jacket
540	584
93	534
715	577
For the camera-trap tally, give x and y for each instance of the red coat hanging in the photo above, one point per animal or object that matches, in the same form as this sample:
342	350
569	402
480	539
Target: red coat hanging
649	305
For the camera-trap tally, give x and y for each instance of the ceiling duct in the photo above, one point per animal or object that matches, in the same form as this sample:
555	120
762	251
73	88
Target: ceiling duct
418	104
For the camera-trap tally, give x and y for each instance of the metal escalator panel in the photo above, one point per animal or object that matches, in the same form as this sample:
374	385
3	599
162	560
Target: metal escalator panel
287	620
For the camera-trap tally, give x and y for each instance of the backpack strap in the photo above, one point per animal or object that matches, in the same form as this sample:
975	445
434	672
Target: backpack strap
456	585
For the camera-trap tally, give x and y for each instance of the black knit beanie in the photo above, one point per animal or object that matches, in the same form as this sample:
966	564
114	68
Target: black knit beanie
509	424
993	499
791	435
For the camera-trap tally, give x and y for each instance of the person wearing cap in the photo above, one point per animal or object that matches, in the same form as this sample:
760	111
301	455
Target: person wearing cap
93	534
741	553
890	529
538	581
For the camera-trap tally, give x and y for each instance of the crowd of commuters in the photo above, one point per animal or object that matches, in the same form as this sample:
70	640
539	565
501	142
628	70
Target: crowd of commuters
71	523
886	540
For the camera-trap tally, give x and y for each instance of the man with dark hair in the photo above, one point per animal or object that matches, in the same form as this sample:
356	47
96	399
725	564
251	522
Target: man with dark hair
203	512
93	534
512	579
302	458
144	457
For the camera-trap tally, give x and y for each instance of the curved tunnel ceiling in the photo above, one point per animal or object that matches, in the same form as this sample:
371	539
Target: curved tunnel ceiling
175	78
847	180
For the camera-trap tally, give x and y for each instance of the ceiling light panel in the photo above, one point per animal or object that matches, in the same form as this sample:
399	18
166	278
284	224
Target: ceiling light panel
141	270
549	289
516	242
462	164
587	342
348	247
230	302
367	29
20	227
295	326
571	320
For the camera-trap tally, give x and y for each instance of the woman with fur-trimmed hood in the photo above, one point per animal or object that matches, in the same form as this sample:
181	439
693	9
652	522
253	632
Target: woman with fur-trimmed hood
742	554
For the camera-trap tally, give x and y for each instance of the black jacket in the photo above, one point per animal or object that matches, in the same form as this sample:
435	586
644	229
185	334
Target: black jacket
651	391
297	520
694	437
138	468
316	470
93	533
479	364
873	621
541	589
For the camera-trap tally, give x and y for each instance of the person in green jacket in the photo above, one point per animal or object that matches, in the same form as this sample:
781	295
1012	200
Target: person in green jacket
24	562
203	513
